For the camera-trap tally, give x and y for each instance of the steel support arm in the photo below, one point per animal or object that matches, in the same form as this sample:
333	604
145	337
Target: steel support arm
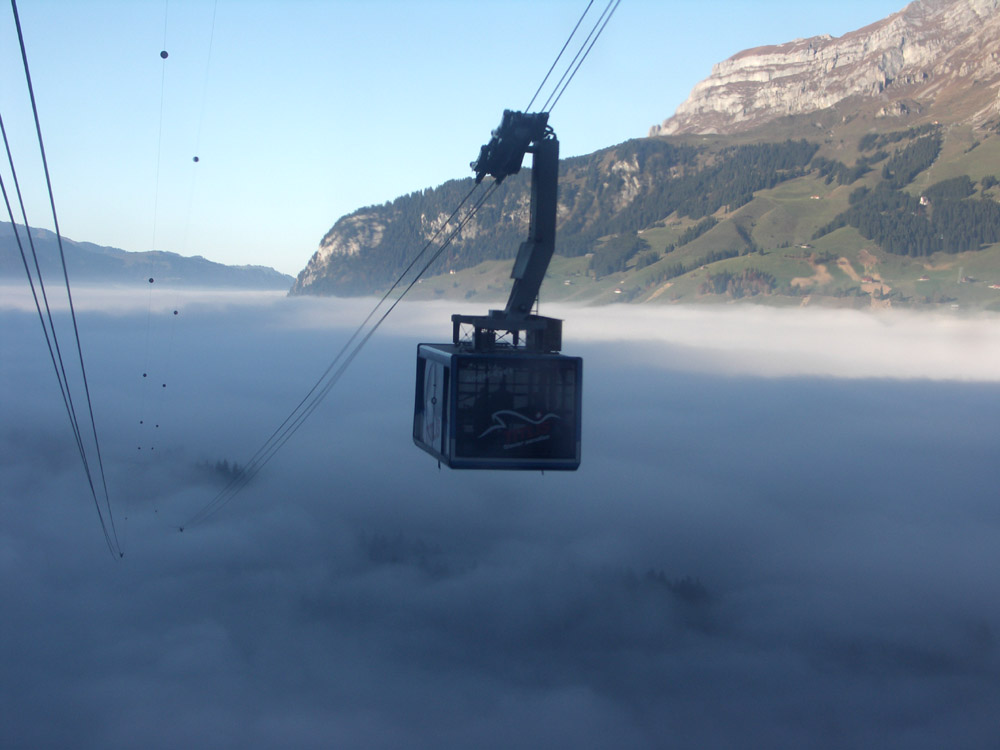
535	253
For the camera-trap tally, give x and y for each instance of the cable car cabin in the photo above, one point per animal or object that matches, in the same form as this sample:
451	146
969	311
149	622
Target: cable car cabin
483	404
498	409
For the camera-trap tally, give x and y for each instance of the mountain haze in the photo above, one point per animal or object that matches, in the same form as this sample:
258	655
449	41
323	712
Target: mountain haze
90	263
862	171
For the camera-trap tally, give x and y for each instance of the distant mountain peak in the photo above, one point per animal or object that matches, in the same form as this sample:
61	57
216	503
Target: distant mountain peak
96	264
932	56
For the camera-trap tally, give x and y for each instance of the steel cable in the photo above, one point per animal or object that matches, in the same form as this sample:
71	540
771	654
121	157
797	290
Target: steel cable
115	547
325	383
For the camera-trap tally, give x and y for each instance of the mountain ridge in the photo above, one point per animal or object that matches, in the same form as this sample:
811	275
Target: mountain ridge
930	53
87	262
853	204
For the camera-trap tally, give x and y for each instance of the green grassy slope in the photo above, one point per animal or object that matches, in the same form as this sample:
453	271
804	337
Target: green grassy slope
775	234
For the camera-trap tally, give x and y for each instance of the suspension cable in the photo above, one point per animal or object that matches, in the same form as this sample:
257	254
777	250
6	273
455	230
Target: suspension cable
164	55
299	415
333	372
115	547
562	83
556	61
600	31
357	332
53	342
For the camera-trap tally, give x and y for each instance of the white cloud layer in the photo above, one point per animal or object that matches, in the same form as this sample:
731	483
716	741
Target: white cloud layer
779	561
732	339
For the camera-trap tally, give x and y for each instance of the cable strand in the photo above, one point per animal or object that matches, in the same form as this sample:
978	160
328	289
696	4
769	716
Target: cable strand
556	61
281	436
603	26
293	414
583	44
62	257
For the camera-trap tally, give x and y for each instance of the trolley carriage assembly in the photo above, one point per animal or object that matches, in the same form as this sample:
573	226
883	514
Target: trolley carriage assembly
505	398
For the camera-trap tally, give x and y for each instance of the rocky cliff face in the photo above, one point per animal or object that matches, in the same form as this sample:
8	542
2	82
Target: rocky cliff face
366	251
934	64
929	55
350	235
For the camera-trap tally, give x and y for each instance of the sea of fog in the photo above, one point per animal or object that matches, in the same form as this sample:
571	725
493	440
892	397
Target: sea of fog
784	533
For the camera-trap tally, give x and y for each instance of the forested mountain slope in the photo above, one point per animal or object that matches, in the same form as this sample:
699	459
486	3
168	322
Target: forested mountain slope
807	172
859	217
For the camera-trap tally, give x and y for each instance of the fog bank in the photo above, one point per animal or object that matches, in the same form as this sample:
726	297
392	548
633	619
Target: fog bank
783	534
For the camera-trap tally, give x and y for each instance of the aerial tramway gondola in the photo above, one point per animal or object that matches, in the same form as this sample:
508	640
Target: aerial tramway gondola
500	395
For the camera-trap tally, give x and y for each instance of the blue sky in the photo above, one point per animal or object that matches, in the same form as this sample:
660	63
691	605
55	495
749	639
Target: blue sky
302	111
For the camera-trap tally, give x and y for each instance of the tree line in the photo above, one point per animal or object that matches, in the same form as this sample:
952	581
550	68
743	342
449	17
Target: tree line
594	204
606	196
903	224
